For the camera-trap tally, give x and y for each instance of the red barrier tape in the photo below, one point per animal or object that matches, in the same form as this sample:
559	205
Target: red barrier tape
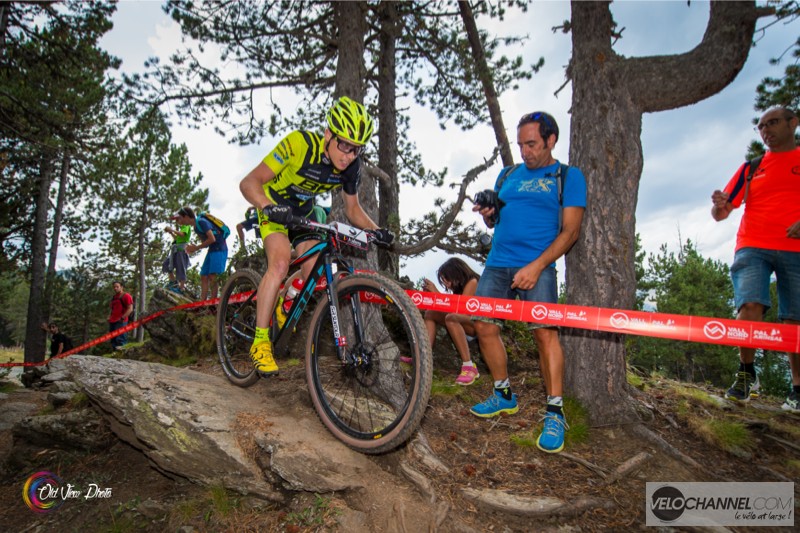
769	336
125	329
766	335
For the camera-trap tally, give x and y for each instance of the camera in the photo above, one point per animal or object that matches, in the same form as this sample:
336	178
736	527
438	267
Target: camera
486	198
489	198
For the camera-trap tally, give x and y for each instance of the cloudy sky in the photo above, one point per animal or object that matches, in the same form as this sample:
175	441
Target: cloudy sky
688	152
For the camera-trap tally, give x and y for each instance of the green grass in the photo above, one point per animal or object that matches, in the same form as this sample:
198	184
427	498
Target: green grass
180	362
222	504
445	386
10	355
697	396
728	435
635	380
315	516
78	400
577	434
6	387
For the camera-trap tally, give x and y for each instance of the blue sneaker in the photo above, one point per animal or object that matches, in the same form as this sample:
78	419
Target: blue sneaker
495	405
552	438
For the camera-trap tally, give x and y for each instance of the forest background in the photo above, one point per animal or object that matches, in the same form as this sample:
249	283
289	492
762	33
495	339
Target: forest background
81	139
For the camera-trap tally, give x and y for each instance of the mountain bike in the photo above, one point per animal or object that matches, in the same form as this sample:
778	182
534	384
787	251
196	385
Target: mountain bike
368	359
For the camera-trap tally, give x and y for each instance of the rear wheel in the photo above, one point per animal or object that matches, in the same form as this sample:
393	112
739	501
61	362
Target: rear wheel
374	400
236	327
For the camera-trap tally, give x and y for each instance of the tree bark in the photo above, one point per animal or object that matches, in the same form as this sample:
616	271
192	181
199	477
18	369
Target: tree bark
140	251
485	75
388	190
35	337
610	95
351	19
58	216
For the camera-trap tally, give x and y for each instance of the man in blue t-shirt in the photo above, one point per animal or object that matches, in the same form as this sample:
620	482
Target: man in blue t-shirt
217	256
532	229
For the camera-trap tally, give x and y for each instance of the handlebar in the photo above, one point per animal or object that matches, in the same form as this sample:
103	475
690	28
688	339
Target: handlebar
344	233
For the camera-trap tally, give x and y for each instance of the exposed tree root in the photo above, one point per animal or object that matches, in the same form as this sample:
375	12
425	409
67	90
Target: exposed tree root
641	431
532	506
600	471
628	467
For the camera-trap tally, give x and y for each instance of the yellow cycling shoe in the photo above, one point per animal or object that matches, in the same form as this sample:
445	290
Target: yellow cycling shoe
263	362
280	315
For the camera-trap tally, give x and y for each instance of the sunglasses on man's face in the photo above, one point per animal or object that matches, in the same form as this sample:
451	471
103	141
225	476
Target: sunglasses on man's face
347	148
535	117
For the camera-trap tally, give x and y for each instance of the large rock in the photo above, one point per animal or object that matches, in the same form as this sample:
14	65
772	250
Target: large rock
82	429
177	334
202	428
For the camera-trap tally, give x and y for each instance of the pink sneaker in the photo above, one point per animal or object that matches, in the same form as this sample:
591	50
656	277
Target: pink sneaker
406	360
468	375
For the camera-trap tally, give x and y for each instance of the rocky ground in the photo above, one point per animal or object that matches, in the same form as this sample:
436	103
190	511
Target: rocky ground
599	481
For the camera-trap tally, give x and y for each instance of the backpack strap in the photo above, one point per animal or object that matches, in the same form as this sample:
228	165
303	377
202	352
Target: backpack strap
753	167
204	217
506	171
561	177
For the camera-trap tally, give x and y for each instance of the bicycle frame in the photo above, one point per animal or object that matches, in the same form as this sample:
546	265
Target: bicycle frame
328	257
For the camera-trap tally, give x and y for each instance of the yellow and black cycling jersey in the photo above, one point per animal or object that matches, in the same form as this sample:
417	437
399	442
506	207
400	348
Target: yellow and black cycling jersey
303	171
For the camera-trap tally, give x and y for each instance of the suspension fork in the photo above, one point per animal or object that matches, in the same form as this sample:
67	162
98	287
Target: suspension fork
330	266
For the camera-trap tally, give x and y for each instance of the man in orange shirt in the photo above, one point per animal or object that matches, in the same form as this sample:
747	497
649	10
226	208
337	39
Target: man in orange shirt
768	241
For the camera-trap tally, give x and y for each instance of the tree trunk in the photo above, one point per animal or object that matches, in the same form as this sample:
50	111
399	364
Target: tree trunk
388	190
35	337
351	19
4	10
610	95
58	216
485	75
139	305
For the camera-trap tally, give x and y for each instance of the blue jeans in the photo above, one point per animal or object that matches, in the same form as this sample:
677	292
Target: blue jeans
496	282
120	340
751	272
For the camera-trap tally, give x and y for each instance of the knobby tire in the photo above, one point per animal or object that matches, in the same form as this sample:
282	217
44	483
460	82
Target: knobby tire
236	327
374	401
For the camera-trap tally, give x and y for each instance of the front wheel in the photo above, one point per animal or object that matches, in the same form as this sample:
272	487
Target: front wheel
236	327
375	398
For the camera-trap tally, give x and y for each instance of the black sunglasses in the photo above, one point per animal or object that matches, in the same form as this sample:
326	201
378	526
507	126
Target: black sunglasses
347	148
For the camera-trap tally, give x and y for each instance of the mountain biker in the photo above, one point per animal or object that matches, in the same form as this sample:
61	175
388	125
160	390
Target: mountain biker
302	166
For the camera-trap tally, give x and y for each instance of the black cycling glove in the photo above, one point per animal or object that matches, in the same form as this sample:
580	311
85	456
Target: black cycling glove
383	237
280	214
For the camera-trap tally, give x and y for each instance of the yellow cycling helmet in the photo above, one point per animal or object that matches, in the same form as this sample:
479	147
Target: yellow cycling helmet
350	121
